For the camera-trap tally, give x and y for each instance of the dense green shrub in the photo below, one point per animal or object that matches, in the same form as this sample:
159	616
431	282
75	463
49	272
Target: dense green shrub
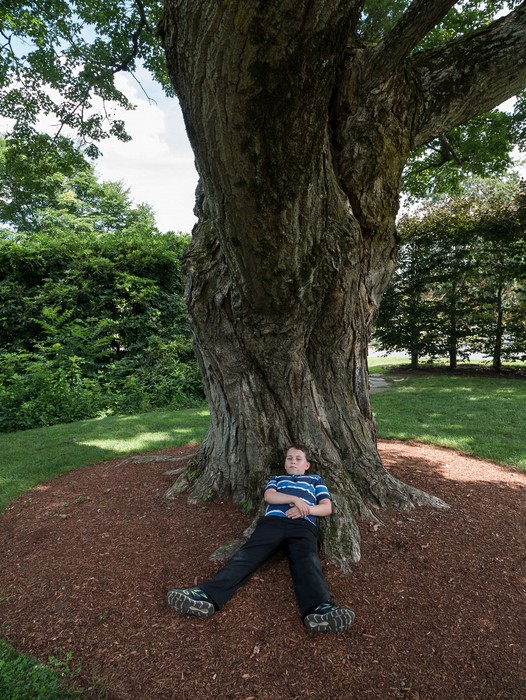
92	323
37	391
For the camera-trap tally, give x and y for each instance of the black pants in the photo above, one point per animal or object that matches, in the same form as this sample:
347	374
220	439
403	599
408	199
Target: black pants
300	539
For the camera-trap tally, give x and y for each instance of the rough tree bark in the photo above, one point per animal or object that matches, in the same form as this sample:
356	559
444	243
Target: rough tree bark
300	136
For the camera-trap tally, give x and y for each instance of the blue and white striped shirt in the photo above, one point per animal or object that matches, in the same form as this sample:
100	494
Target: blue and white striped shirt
309	487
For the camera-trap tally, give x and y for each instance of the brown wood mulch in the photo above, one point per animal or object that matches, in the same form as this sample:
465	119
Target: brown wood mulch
439	594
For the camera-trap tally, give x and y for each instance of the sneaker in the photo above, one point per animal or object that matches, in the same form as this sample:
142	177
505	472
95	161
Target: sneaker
190	601
329	618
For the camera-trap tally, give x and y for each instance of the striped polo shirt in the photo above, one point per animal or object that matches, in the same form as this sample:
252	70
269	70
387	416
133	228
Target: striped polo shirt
309	487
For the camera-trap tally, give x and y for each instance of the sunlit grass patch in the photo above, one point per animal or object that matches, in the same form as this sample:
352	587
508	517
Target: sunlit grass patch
31	457
484	417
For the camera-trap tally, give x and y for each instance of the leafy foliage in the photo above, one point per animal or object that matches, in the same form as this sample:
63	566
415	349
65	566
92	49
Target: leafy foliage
92	323
59	59
519	125
378	16
479	148
92	317
48	187
459	284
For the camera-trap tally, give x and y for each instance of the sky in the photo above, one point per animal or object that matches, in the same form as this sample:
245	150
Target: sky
157	165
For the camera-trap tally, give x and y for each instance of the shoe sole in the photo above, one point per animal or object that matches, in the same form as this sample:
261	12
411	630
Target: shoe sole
183	603
333	621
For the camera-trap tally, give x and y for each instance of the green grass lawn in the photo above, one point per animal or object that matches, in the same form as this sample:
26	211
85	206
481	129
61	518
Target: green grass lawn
482	416
31	457
23	678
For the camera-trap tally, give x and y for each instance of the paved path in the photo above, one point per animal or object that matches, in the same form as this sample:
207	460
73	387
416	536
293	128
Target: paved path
378	383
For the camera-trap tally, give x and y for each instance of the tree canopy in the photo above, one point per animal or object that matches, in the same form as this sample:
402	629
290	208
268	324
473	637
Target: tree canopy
59	59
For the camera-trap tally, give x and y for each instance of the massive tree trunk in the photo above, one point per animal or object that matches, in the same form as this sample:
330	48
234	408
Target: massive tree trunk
300	140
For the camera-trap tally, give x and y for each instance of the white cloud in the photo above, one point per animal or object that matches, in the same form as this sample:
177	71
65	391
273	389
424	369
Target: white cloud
157	165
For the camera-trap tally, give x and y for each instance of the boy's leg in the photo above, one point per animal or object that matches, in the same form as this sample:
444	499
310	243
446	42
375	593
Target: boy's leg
312	593
264	541
305	565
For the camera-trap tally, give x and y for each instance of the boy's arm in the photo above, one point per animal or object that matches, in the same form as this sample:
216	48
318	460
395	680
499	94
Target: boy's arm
298	507
324	507
275	498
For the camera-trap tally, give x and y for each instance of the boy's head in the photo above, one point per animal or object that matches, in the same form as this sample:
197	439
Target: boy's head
296	460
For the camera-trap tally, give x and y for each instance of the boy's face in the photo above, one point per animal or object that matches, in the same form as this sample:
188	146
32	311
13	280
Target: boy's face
296	462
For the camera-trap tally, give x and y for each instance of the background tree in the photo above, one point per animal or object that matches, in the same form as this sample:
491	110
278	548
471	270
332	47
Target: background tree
433	279
407	320
498	328
301	125
56	189
455	288
32	177
454	269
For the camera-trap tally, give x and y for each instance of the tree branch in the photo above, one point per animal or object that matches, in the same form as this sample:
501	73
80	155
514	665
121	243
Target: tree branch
469	76
445	152
143	24
419	18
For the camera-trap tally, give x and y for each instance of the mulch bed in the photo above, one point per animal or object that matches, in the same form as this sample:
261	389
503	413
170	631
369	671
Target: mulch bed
439	594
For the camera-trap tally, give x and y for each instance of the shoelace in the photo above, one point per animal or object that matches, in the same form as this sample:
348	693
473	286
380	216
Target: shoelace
198	593
323	608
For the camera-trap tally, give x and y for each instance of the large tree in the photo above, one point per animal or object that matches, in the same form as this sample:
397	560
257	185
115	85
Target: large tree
302	116
301	132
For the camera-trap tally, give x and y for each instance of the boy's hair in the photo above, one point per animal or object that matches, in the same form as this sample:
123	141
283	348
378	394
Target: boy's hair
299	446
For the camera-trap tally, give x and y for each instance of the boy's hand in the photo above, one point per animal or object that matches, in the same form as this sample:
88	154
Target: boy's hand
298	509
